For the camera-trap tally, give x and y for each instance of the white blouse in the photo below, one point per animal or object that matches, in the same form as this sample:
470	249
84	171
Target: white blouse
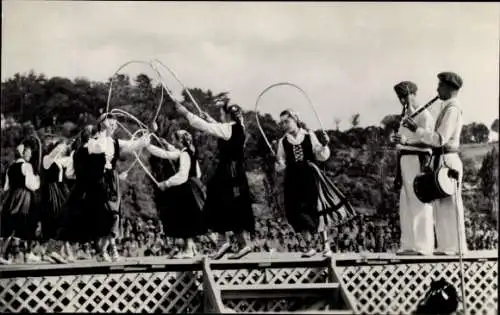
219	130
32	181
182	174
321	153
105	144
62	162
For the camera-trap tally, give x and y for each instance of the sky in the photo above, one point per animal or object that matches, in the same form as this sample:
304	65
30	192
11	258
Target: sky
346	56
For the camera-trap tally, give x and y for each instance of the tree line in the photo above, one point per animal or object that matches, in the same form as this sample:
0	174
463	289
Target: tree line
362	160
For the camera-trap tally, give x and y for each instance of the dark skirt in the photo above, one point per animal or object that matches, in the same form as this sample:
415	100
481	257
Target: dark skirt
181	209
312	201
228	206
88	214
19	215
54	196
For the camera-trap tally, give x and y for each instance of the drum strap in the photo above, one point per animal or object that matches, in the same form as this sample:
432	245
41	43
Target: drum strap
438	152
423	157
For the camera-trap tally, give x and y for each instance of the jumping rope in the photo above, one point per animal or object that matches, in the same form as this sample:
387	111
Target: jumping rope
193	100
124	113
276	85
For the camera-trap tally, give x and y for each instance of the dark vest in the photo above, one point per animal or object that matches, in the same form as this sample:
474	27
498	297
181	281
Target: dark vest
16	178
233	149
193	157
301	153
51	175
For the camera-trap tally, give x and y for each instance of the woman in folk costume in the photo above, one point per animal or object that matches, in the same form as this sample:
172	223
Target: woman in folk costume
55	192
19	217
103	193
228	206
416	218
312	202
79	214
181	208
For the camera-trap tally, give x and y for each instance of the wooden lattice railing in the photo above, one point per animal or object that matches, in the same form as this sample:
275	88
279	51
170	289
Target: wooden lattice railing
381	285
172	288
389	286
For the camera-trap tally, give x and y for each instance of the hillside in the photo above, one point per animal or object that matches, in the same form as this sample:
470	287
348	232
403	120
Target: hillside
362	161
477	151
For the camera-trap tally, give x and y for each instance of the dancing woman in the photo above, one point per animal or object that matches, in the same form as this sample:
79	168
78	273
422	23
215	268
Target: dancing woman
19	217
78	220
228	205
312	202
103	191
55	192
183	195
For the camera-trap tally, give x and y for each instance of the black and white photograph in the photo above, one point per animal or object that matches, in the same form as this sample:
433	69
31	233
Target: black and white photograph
249	157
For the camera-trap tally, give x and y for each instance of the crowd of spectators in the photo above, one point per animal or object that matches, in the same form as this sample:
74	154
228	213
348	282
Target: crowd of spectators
142	238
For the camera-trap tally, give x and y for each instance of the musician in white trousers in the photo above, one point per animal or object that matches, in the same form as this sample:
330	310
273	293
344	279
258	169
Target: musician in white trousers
416	218
445	142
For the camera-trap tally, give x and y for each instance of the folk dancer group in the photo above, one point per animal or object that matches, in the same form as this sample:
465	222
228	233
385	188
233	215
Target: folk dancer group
81	200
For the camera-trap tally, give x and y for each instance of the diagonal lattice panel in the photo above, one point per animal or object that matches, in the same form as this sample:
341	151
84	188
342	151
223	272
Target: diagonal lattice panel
175	292
397	289
270	276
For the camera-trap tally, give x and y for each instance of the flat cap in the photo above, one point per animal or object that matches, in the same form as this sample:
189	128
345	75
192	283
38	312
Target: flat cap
451	78
405	87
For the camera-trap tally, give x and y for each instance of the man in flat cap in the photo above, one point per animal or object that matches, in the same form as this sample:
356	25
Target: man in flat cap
416	218
444	139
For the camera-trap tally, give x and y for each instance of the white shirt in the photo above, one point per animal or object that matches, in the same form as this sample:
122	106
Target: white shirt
32	181
321	153
447	133
105	144
62	162
182	174
219	130
423	120
67	163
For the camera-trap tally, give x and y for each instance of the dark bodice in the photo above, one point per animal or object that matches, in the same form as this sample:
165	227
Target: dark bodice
300	153
233	149
16	178
51	175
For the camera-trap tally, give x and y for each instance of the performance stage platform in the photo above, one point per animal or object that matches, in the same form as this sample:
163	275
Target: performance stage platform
260	282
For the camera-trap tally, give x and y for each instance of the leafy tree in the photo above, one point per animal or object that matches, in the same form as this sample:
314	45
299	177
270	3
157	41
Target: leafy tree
391	122
489	178
474	133
494	125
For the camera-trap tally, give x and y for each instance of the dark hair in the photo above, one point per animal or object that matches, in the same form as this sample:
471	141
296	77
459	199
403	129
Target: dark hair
52	145
235	112
186	139
26	145
88	132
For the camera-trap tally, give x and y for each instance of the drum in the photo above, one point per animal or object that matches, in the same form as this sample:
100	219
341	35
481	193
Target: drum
433	185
